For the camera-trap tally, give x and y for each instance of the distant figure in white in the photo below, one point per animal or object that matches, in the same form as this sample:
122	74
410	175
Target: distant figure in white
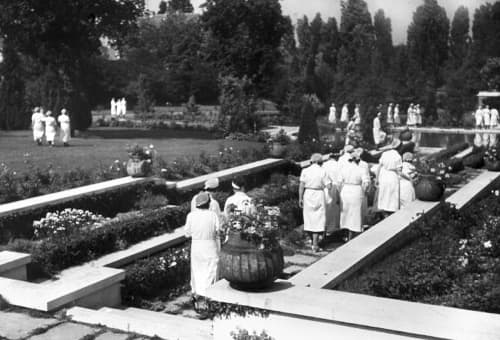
357	114
493	118
486	117
344	115
50	128
378	134
37	123
390	117
332	116
418	115
478	115
397	119
114	108
410	117
64	123
122	107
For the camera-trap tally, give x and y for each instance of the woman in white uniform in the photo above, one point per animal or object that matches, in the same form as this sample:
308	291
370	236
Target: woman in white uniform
406	178
202	226
390	164
397	118
313	182
390	117
64	123
332	196
478	116
332	116
50	128
486	117
239	201
378	134
365	179
37	122
352	185
344	115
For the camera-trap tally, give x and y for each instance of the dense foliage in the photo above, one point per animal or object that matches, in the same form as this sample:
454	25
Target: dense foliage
452	259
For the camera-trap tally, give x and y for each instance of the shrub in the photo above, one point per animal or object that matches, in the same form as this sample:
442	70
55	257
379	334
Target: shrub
66	222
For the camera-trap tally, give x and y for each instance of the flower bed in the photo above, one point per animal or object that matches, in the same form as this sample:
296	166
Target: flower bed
452	259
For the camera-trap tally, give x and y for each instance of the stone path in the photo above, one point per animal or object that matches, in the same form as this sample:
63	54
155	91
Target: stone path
17	325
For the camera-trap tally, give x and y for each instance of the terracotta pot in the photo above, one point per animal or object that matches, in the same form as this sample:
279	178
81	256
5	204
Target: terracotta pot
492	165
249	268
277	149
429	189
137	168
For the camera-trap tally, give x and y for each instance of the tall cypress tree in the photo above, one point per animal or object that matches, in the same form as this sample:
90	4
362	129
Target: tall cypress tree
459	37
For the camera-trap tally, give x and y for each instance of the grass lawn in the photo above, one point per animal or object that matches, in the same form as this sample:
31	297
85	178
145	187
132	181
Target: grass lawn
97	149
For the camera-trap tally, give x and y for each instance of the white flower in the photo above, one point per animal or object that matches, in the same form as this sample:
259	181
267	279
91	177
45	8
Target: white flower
487	244
497	192
151	146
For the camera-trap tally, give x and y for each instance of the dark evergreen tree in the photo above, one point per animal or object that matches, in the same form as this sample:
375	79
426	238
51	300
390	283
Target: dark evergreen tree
308	129
182	6
459	38
162	7
383	39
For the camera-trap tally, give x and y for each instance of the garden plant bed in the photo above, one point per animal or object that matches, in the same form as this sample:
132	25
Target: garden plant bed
451	259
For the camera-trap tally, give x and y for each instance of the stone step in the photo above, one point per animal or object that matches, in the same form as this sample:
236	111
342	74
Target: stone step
145	322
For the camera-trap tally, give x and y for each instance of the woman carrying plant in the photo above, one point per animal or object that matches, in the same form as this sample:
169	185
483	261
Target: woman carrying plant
390	164
313	182
353	183
406	178
239	201
202	226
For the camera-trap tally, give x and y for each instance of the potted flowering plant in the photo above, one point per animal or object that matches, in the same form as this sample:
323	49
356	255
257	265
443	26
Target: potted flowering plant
492	159
431	180
140	160
278	143
251	256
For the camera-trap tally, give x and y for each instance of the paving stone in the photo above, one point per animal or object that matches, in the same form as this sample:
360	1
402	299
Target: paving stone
65	331
112	336
292	270
300	259
19	325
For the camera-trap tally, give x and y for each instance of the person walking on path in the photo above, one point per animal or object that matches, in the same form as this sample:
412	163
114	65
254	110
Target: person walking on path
202	226
352	183
37	124
397	118
332	196
64	123
210	186
313	182
50	128
390	164
406	178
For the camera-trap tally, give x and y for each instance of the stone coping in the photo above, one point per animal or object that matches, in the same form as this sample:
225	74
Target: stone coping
350	257
428	129
61	196
11	259
245	169
357	310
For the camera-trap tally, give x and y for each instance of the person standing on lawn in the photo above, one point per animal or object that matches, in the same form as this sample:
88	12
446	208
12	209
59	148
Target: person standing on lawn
313	182
352	184
113	105
210	186
390	164
37	124
50	128
64	123
202	226
239	201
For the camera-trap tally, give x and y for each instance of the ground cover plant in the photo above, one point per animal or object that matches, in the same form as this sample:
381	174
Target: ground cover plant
451	259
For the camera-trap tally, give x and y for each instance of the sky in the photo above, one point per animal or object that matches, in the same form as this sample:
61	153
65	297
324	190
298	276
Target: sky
400	11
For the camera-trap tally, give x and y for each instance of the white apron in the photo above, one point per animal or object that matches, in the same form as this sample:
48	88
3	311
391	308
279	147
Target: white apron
204	265
388	191
351	205
314	210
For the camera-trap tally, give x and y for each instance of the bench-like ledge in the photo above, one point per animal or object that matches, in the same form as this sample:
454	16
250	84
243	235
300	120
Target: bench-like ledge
13	265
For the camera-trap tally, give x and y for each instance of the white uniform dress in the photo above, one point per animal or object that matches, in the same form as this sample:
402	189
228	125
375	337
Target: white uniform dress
366	183
388	191
242	201
486	117
344	114
351	197
410	118
378	134
65	127
315	181
418	116
478	115
390	119
406	189
493	118
50	128
397	119
202	226
113	105
332	196
332	116
38	119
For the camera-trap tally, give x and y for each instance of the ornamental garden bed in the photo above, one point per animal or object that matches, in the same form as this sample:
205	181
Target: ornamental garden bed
452	259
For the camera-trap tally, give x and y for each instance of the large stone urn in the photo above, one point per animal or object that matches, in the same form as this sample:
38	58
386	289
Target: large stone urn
246	266
429	189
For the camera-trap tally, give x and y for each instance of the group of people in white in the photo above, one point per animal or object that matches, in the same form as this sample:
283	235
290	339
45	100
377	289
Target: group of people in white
44	124
485	117
118	107
334	193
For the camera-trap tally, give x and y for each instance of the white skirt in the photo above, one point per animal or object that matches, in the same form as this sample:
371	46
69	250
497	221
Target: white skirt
388	191
38	132
314	211
332	208
204	265
351	205
406	192
65	132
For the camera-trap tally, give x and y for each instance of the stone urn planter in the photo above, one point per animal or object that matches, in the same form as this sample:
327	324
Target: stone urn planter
492	165
247	267
429	189
475	161
277	149
138	168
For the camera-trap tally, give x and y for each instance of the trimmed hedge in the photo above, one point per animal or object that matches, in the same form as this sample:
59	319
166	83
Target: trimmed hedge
54	254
